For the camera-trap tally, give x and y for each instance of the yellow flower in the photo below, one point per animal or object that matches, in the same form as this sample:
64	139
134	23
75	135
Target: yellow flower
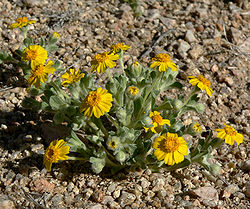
133	90
72	76
56	35
56	151
35	53
118	47
39	73
113	143
103	61
157	121
21	22
97	102
170	148
164	62
196	127
202	83
230	135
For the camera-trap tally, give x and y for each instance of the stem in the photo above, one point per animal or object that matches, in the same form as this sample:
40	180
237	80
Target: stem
103	129
159	75
110	118
76	158
109	75
121	62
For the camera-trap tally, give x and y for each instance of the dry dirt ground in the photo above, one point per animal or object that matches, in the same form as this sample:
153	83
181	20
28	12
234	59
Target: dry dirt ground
208	37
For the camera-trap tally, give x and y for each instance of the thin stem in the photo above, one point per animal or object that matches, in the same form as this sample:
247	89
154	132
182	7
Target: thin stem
76	158
103	129
109	75
121	62
110	118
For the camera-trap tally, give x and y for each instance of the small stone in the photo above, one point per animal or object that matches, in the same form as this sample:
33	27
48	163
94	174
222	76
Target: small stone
111	187
246	166
189	37
247	192
41	185
126	198
196	52
70	186
214	68
229	190
95	206
28	138
206	193
202	12
158	184
98	196
3	127
183	46
235	35
6	203
144	183
199	28
87	193
106	199
57	199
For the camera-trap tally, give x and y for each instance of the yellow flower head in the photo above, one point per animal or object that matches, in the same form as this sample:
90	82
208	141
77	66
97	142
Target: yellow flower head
196	127
230	135
202	83
56	151
170	148
56	35
163	62
22	22
39	73
157	121
35	53
113	143
133	90
118	47
97	102
103	61
72	76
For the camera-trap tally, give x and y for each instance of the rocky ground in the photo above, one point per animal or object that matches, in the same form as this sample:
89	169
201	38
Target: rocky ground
208	37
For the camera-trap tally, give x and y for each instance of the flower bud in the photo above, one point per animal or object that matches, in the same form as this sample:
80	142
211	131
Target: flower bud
178	104
121	156
194	129
147	121
136	68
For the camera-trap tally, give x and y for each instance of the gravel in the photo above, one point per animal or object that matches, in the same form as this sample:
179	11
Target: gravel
209	37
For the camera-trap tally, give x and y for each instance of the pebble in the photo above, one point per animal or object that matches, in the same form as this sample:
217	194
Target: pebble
126	198
196	52
189	37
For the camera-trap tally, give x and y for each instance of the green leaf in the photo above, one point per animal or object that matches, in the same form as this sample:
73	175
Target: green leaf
137	105
57	65
97	164
31	103
58	118
42	42
76	145
28	41
51	48
176	85
56	102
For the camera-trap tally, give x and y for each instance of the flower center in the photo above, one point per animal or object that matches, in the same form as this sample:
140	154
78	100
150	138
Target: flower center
22	20
171	144
113	144
157	119
31	54
204	81
163	58
52	154
230	131
93	99
196	127
133	90
102	57
38	71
